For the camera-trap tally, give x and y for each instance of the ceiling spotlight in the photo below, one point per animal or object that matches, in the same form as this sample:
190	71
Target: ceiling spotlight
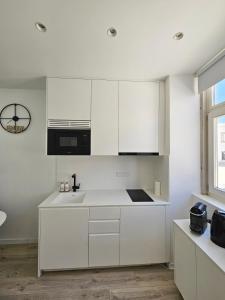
41	27
178	36
112	32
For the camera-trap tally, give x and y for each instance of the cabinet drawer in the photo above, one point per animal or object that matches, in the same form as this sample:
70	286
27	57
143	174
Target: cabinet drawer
104	213
104	226
103	250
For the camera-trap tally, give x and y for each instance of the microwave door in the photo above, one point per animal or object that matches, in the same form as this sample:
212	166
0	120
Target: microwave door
68	142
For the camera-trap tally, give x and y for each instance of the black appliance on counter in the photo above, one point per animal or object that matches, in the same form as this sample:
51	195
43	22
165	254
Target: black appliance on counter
139	195
198	218
69	141
218	228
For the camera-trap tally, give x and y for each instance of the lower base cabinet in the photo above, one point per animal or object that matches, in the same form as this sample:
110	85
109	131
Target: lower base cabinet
142	235
63	238
185	265
210	279
196	275
103	250
73	238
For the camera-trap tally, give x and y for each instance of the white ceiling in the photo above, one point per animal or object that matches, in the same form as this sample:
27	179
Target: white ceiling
76	43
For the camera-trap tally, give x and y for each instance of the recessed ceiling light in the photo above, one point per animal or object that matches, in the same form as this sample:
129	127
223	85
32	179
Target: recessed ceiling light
178	36
112	32
41	27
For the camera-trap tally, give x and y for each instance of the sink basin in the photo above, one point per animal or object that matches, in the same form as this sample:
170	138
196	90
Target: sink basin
69	198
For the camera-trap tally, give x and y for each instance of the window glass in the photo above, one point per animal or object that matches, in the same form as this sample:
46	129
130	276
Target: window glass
219	92
220	152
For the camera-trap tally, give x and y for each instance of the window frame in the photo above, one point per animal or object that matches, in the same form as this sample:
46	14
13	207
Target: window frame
213	111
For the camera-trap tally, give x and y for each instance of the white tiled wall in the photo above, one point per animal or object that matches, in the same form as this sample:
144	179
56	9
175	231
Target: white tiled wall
107	172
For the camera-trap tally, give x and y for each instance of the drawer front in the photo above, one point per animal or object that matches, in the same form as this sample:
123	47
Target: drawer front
104	213
103	250
104	226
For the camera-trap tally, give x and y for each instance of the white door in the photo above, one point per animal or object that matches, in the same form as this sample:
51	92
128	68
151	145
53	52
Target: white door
138	116
142	235
210	279
68	99
103	250
104	118
63	238
185	265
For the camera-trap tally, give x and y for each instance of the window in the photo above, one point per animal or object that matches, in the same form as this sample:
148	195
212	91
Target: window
219	92
219	153
222	137
215	99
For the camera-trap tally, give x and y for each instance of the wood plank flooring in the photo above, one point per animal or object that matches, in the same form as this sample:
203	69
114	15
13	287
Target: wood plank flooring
18	280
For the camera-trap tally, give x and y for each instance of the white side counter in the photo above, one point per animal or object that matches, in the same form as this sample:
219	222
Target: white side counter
199	264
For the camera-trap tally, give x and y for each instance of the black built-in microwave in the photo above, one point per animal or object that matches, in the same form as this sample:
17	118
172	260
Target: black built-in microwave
69	141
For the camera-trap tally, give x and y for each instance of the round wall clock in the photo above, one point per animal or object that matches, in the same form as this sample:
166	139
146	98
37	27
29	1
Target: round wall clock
15	118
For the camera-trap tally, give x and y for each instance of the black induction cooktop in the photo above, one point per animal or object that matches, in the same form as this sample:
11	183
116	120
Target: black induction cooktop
139	196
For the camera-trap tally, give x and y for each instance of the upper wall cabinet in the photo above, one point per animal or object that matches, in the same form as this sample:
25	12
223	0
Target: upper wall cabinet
104	118
68	99
138	117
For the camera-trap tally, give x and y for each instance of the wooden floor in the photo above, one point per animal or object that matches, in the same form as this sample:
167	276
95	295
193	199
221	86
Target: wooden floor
18	280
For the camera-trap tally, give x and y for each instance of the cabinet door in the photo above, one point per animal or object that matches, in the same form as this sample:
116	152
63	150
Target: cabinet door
63	238
138	116
185	265
103	250
104	118
210	279
68	99
142	235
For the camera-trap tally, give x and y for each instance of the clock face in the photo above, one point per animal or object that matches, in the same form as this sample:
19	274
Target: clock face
15	118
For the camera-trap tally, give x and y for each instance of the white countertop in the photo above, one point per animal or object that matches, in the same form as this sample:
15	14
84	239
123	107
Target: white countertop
214	252
103	198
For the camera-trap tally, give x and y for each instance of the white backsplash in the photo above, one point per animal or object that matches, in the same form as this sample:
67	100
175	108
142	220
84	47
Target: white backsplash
99	172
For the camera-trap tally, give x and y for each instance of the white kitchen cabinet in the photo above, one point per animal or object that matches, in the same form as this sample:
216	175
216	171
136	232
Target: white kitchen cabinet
105	213
63	238
103	250
199	264
82	237
104	118
68	99
142	235
185	265
138	117
104	226
210	279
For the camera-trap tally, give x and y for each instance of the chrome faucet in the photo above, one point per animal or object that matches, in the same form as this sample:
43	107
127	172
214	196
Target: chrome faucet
75	187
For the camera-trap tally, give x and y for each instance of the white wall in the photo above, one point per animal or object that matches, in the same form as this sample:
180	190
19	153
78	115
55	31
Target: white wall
107	172
27	176
184	159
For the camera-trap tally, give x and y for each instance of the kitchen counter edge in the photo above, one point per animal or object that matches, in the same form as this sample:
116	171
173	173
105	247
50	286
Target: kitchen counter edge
47	203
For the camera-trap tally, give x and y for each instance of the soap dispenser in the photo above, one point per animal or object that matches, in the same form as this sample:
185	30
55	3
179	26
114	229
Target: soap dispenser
67	186
62	187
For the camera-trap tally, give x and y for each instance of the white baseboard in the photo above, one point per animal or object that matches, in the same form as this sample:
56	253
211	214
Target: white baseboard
18	241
